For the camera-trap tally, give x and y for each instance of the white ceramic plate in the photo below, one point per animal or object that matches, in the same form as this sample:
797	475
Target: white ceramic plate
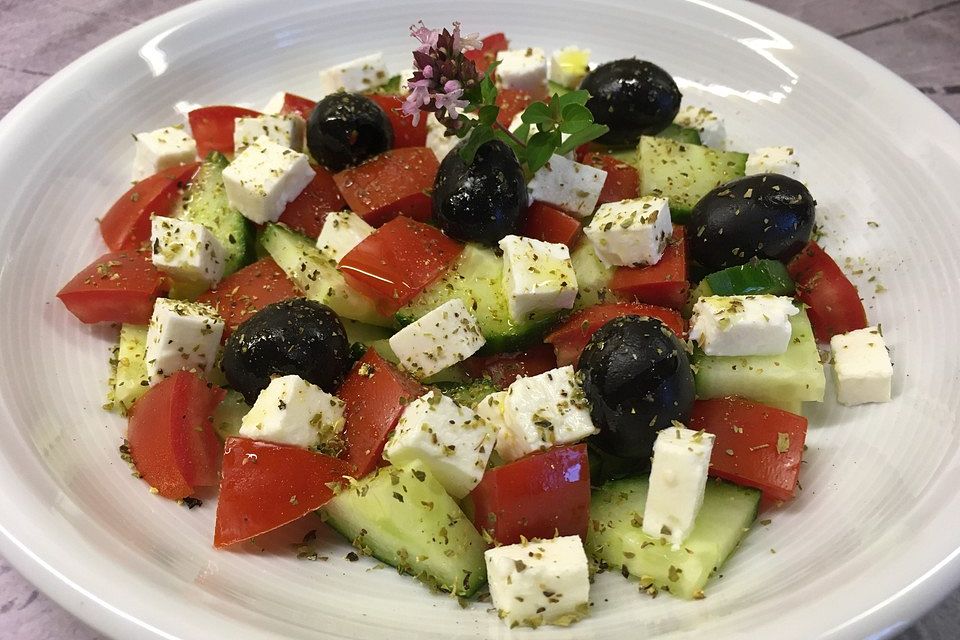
871	542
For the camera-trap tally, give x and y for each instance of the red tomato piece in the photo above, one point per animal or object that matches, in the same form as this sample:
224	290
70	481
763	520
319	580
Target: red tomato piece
374	393
623	180
398	261
834	303
396	182
543	222
307	211
267	485
570	338
504	368
538	496
117	287
212	127
405	133
511	102
127	224
241	294
665	283
756	446
297	105
487	54
171	436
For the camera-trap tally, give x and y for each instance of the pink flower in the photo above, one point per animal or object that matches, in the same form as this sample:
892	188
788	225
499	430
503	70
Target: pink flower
427	37
469	42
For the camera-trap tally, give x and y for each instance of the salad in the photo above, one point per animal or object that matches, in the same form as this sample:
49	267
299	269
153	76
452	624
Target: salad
503	320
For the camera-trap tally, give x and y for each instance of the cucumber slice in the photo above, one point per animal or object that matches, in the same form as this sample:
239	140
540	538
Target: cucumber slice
680	134
791	377
469	393
403	517
317	276
229	413
684	172
206	204
615	536
130	381
593	277
365	334
476	280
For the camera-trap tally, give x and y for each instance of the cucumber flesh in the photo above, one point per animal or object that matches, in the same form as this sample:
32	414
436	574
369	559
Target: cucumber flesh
229	414
130	381
593	277
615	536
469	393
402	516
680	134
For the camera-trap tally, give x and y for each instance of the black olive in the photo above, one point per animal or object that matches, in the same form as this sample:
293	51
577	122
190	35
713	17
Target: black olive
292	337
632	97
761	216
345	129
483	201
638	380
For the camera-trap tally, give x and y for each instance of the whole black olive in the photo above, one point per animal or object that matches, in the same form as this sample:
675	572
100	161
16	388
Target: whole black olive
638	380
632	97
292	337
345	129
483	201
761	216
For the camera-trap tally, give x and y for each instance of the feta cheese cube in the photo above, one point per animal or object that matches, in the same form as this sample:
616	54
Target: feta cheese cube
568	185
186	250
523	70
491	409
681	458
341	232
360	75
782	160
861	367
537	276
631	232
437	142
568	66
708	125
182	335
264	177
275	103
162	149
293	411
757	325
285	130
541	411
451	441
441	338
539	582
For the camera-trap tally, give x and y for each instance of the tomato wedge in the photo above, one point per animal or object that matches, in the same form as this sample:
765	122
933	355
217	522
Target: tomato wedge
117	287
127	224
171	436
504	368
539	496
756	446
267	485
623	180
297	105
307	212
834	303
212	127
405	133
570	338
375	394
241	294
394	183
543	222
487	54
664	284
511	102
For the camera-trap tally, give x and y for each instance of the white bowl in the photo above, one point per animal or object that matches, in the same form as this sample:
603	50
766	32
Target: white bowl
872	540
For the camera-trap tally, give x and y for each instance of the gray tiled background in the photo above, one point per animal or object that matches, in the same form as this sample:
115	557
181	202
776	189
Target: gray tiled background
918	39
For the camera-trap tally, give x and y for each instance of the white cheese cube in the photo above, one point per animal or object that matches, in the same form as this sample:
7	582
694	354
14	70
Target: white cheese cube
186	250
631	232
441	338
539	582
568	185
681	458
491	409
285	130
452	441
275	103
341	232
757	325
782	160
568	66
360	75
264	177
162	149
182	335
861	366
440	144
293	411
708	125
523	70
537	276
541	411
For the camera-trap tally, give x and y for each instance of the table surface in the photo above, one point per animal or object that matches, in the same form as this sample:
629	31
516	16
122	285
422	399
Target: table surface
918	39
